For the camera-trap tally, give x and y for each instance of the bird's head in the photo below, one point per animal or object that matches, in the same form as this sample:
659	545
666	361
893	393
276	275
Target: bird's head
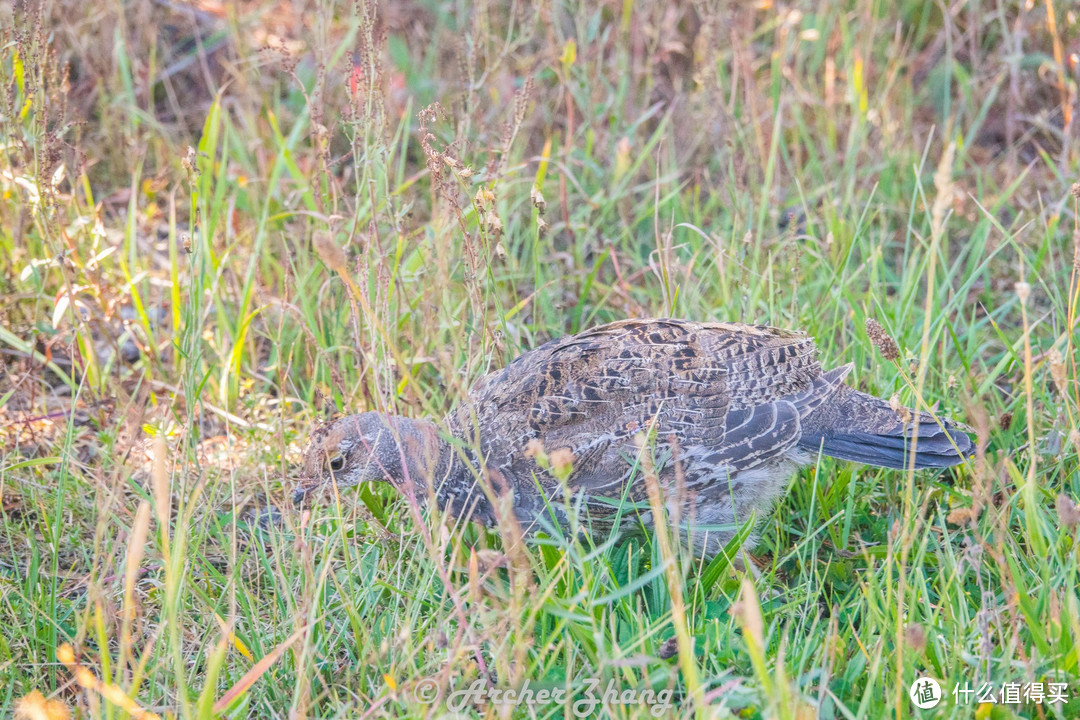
368	447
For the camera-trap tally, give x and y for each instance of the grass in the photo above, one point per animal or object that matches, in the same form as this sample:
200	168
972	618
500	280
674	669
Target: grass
223	224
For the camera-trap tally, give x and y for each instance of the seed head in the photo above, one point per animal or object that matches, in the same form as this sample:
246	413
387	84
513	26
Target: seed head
36	706
915	636
882	340
1068	512
1057	370
535	449
1076	249
329	252
562	462
899	408
190	161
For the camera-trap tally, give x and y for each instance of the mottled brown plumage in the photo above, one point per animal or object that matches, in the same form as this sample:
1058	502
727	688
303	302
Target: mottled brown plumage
727	412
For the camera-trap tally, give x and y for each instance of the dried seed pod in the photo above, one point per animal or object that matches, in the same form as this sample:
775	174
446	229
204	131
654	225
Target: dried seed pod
1023	291
537	198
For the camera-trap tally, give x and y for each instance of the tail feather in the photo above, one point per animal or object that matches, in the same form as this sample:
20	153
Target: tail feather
894	451
859	427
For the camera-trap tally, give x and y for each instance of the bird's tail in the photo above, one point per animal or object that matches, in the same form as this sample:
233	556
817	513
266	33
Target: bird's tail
852	425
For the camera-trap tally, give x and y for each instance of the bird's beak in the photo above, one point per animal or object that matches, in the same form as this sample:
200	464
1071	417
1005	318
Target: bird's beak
301	491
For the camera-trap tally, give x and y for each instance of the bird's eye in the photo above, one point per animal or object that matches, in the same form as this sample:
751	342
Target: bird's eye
337	463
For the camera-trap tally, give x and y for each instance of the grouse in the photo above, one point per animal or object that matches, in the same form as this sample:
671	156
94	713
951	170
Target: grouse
717	415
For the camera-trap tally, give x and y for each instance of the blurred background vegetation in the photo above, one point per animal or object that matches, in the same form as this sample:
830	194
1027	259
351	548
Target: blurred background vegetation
223	222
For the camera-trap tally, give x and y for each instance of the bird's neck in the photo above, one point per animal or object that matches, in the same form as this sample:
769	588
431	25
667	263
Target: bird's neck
446	471
454	477
421	449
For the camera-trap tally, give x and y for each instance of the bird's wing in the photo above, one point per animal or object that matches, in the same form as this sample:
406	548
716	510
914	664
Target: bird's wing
732	393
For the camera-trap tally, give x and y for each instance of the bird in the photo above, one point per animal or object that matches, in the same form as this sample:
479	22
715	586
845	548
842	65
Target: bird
717	416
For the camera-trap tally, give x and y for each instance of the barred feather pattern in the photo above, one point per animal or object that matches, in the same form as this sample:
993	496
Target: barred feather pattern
726	411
